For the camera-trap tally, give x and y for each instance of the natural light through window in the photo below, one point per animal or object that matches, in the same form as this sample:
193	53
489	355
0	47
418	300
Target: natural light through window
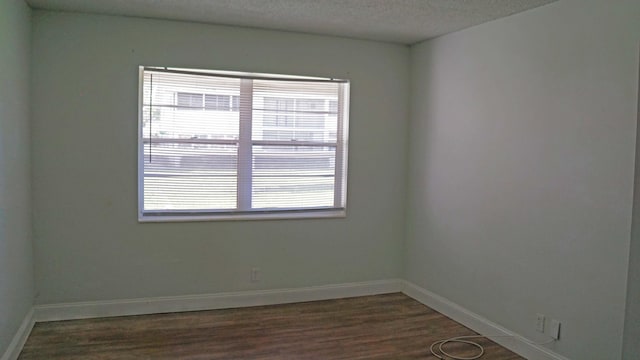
229	145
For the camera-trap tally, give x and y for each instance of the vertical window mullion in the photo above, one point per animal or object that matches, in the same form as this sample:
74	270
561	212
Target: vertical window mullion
245	145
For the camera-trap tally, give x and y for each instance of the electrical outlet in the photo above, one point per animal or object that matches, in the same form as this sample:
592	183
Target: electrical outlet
255	274
540	322
554	329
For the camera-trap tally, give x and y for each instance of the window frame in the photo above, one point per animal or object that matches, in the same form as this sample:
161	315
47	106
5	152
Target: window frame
244	143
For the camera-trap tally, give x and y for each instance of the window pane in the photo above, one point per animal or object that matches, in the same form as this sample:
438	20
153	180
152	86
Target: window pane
217	102
189	176
173	107
235	103
333	106
283	178
279	104
189	100
308	135
172	123
310	121
304	119
310	105
273	120
278	135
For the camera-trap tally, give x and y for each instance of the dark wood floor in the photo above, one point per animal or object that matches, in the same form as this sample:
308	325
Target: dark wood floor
391	326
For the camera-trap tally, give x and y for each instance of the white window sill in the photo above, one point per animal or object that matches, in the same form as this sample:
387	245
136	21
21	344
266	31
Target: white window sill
283	215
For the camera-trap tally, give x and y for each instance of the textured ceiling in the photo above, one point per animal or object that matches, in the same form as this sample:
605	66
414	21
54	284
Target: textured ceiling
400	21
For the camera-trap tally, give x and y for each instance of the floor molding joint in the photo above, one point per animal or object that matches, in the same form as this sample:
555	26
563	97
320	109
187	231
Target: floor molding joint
20	338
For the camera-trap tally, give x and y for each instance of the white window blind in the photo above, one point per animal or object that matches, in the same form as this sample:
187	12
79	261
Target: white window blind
225	145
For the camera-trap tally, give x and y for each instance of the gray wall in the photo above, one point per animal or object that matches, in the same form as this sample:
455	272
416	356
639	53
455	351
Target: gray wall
521	170
88	243
631	345
16	261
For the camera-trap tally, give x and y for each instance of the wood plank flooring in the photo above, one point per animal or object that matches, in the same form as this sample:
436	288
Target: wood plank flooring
390	326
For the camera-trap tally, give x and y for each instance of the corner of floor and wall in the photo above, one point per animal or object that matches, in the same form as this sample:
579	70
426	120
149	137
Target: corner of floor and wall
516	140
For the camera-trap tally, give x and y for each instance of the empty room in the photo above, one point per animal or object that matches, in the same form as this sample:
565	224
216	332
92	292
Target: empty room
311	179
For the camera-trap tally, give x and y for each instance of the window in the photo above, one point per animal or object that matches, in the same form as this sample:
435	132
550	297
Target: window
211	101
229	145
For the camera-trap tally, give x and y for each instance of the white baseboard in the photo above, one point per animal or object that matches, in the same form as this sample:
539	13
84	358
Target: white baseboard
16	344
482	326
93	309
